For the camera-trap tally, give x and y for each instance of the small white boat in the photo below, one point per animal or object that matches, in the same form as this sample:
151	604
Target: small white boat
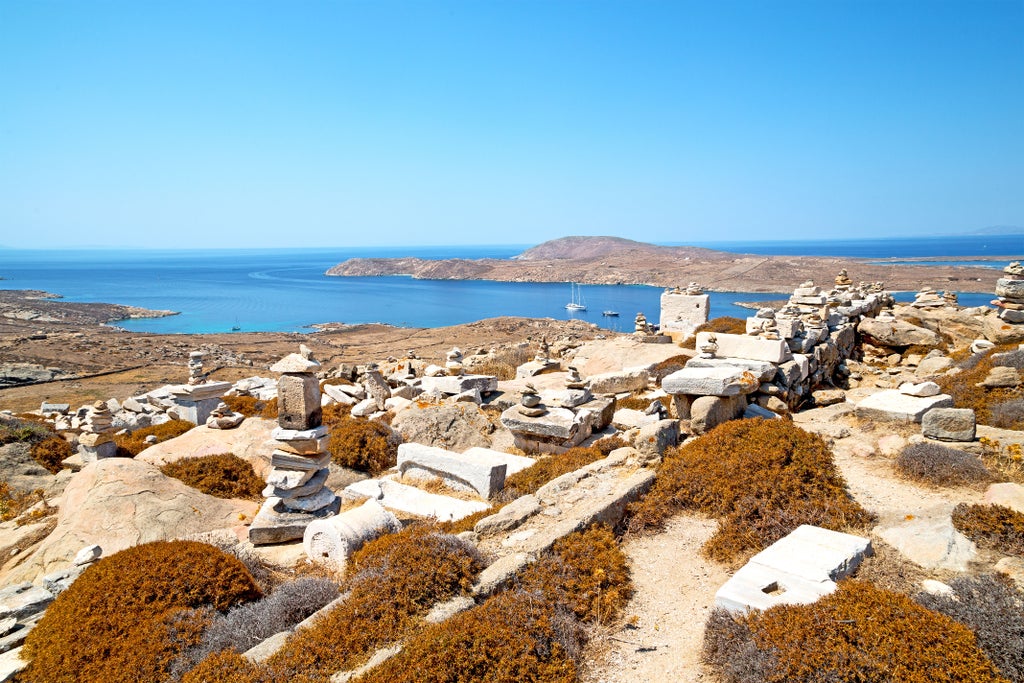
576	296
611	314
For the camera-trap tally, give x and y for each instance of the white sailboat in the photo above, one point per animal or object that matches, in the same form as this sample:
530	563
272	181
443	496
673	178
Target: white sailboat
576	296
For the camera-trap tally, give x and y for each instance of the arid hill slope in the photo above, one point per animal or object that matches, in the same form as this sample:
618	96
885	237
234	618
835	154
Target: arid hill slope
612	260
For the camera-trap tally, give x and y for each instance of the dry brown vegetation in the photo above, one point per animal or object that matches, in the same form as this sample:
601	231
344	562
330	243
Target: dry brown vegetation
1000	407
991	526
941	465
223	476
394	582
761	478
858	633
725	324
128	615
534	631
130	445
361	444
250	406
46	447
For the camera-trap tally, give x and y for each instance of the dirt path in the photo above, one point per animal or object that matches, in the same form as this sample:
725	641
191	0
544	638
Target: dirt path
659	637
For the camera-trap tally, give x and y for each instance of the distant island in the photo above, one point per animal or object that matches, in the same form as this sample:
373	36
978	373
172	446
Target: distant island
614	260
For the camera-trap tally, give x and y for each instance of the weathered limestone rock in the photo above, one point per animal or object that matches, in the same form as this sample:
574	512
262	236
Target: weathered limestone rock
763	370
620	381
893	405
752	348
931	544
248	441
652	440
1006	494
395	496
330	541
929	367
513	463
457	384
277	524
298	399
1002	376
120	502
896	333
510	516
707	412
922	389
721	381
482	474
1000	331
455	427
949	424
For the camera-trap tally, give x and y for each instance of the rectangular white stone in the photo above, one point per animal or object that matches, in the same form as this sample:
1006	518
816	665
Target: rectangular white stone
723	381
815	553
742	346
764	370
755	586
627	379
893	405
481	473
395	496
291	461
683	312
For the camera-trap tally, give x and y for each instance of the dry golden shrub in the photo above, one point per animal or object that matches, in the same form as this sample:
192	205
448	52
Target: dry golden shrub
223	476
364	445
531	632
858	633
250	406
226	666
395	580
127	616
993	407
761	478
130	445
991	526
725	324
51	452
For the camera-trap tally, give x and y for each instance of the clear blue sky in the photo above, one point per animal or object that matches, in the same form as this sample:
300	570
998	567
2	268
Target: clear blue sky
214	123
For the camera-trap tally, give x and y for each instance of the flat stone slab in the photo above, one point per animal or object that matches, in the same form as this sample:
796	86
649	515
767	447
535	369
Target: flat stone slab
280	526
949	424
764	370
557	423
11	663
199	392
23	600
752	348
893	405
797	569
721	381
459	384
617	382
932	544
395	496
482	473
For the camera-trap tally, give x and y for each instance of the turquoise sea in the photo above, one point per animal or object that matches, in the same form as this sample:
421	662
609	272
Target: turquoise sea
286	289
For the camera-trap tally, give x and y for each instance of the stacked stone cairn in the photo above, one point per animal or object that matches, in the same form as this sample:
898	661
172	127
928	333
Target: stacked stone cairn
223	417
195	400
537	427
296	492
97	438
453	363
784	356
929	298
1010	293
683	311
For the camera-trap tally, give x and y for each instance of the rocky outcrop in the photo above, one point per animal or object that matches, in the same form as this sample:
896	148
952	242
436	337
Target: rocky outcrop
896	333
117	503
250	441
454	427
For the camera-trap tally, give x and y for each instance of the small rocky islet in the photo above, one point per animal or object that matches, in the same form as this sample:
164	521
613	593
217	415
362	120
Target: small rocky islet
844	362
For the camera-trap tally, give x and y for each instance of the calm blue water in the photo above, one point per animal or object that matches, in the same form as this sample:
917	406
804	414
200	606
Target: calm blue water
286	290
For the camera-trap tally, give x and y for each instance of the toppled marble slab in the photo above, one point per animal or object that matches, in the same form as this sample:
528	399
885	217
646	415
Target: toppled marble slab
797	569
717	381
482	473
395	496
891	404
744	346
